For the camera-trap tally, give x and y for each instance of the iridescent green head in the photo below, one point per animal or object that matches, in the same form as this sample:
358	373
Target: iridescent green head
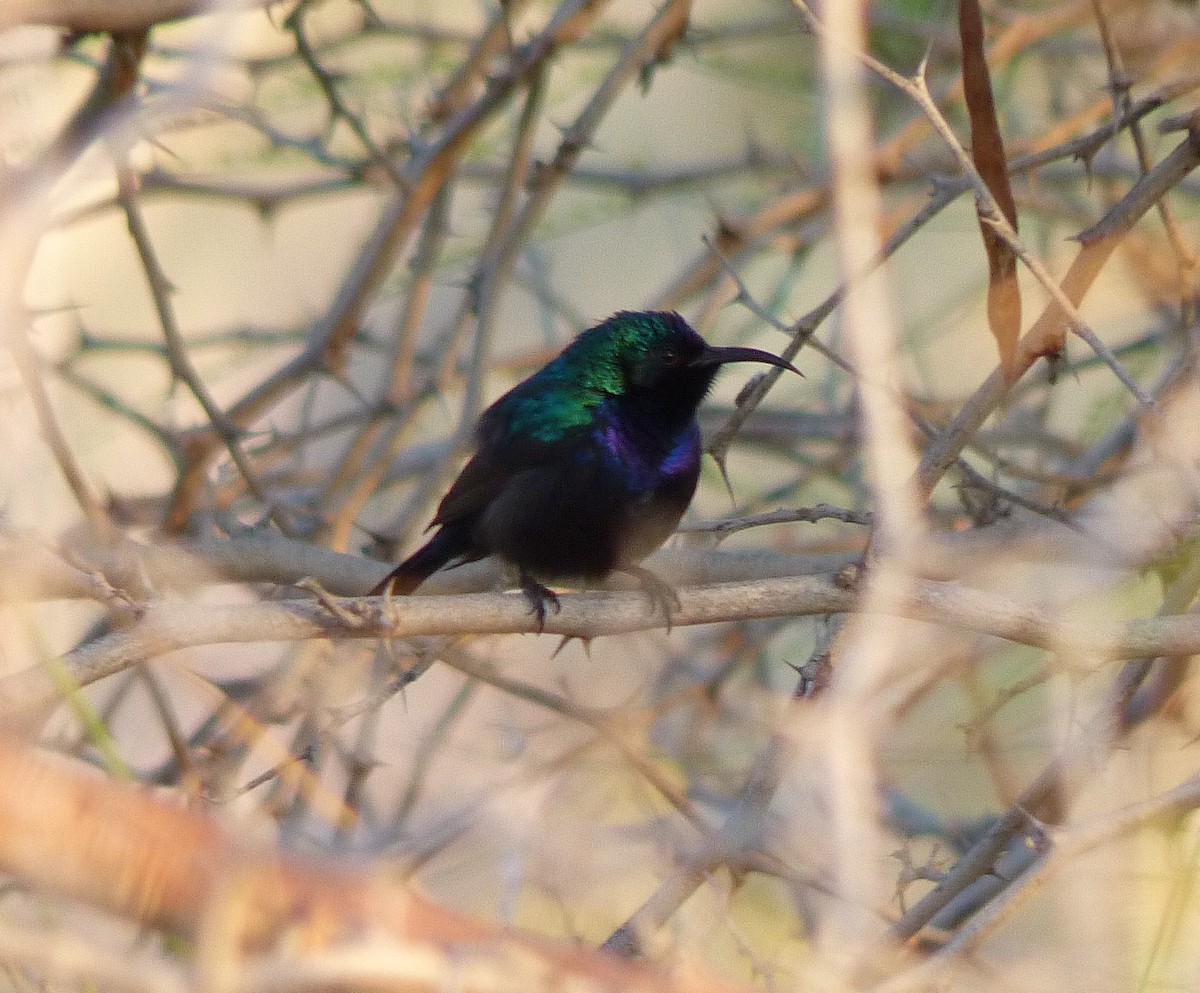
650	360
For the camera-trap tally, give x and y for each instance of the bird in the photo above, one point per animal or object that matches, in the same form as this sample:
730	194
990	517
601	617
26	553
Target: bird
585	467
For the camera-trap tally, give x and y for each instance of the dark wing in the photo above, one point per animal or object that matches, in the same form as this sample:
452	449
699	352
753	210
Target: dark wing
500	454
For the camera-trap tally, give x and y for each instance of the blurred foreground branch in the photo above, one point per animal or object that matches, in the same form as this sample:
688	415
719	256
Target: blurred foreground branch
245	910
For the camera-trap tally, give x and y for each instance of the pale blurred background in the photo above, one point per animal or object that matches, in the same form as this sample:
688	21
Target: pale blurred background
258	207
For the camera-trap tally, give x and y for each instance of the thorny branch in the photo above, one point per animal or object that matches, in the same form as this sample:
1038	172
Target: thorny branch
495	198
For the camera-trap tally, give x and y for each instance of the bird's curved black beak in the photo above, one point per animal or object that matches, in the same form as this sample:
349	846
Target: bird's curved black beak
717	355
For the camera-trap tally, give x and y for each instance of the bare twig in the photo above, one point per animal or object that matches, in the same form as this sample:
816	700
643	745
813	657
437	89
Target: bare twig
181	363
1098	244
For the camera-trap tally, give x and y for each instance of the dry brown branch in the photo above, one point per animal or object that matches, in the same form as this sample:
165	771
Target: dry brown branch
246	908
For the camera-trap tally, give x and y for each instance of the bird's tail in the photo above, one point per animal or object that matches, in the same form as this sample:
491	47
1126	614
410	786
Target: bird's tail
438	551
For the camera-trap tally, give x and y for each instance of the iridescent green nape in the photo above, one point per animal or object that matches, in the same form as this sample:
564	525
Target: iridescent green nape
565	393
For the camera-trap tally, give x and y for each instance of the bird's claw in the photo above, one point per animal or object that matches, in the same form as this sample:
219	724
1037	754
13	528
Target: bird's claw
538	596
659	592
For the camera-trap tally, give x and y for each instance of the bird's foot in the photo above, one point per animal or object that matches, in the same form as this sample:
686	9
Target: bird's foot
538	596
659	592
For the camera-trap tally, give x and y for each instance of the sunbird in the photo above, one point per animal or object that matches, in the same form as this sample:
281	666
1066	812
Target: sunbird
585	467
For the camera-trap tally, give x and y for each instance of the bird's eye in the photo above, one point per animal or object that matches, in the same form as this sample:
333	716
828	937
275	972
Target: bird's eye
670	356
